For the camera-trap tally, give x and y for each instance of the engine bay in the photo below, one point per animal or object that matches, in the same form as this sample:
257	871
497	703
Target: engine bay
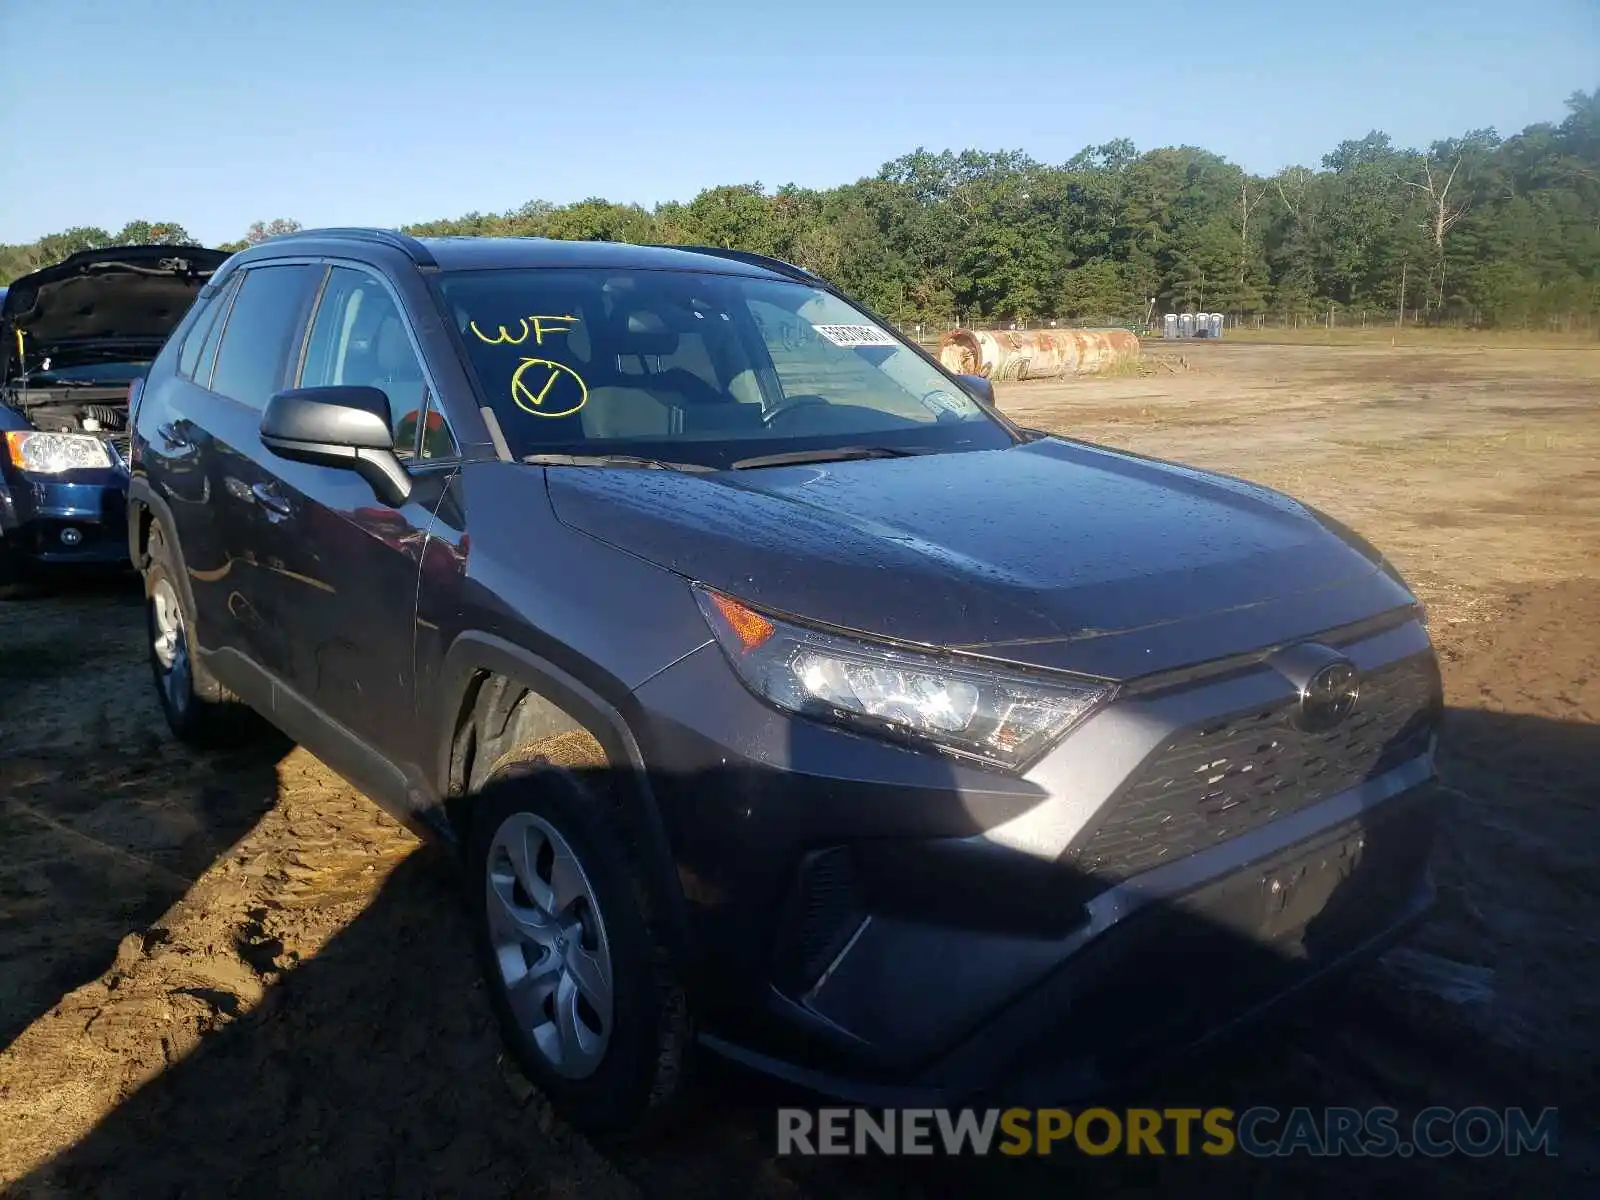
78	410
90	410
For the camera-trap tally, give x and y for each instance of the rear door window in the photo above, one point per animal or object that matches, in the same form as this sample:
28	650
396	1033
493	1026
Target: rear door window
262	328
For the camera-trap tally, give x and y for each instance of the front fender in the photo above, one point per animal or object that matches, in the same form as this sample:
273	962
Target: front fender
473	654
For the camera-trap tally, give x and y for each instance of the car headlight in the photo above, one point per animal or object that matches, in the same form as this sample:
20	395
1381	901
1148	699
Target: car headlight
961	706
53	453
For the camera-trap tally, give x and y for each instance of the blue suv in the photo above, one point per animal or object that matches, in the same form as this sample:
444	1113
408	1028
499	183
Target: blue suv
781	697
75	339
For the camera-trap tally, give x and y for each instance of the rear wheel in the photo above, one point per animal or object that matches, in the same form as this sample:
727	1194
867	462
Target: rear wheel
199	710
578	976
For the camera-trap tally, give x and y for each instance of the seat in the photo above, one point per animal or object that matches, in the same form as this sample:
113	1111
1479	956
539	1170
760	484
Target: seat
399	375
629	404
629	412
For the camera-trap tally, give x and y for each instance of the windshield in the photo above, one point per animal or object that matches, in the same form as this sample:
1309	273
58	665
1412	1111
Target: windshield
697	367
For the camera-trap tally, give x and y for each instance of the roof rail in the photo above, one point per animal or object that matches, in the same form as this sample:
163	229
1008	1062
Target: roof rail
776	265
403	242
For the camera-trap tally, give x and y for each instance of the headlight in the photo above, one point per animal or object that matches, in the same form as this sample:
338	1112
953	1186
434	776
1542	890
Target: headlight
53	453
959	706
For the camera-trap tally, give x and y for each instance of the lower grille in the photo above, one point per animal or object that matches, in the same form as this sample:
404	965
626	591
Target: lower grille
1216	781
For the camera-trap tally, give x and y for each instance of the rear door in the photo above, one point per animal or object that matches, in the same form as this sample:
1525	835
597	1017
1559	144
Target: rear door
341	600
257	355
173	419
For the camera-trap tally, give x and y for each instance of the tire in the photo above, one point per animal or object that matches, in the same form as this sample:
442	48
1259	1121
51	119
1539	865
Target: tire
199	710
618	1066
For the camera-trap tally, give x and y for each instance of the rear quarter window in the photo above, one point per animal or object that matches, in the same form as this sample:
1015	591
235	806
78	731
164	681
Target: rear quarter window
194	342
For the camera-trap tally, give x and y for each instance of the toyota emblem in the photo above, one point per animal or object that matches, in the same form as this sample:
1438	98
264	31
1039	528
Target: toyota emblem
1328	696
1327	684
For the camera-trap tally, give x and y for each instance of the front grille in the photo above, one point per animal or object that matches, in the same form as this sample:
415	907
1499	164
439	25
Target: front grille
1216	781
122	445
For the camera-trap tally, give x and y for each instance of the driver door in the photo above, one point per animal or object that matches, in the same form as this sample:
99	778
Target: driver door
348	585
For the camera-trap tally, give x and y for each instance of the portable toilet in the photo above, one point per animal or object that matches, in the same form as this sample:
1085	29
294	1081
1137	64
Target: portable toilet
1169	326
1186	325
1215	321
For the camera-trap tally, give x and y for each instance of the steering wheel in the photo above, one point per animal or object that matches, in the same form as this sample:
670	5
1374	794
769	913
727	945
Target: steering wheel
789	405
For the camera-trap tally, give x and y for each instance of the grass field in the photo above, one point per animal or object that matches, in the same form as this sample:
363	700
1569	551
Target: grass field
1443	337
231	974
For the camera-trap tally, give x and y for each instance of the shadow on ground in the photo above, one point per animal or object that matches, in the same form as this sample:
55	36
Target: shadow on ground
105	823
98	844
375	1068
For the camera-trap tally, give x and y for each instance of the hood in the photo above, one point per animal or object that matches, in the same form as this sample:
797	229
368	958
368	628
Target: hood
1053	553
121	294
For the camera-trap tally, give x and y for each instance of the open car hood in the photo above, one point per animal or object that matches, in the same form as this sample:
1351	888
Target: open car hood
120	294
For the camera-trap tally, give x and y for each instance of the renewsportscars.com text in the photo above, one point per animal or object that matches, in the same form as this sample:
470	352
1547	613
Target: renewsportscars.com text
1259	1132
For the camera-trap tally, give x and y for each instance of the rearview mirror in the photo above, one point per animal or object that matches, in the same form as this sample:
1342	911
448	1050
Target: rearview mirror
978	388
338	427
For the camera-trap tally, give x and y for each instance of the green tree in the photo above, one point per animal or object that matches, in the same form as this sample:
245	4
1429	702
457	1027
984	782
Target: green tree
1471	227
260	231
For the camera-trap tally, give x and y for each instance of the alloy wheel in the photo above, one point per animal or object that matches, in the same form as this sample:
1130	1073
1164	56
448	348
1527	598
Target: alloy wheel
169	644
550	944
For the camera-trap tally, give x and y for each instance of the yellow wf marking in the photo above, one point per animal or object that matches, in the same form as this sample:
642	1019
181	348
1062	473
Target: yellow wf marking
522	390
504	338
538	328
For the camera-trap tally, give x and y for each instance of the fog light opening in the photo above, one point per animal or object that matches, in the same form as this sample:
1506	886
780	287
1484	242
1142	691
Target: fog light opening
71	536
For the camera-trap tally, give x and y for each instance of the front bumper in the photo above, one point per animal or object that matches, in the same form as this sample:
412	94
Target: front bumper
1152	977
889	926
63	521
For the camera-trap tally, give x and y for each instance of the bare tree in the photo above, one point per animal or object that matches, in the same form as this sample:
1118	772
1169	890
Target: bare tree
1442	213
1294	186
1247	203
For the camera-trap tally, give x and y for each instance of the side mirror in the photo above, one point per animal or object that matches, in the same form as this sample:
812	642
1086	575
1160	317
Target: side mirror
978	388
338	427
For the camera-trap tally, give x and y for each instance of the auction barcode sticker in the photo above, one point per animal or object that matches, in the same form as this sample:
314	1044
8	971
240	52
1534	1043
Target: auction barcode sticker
851	336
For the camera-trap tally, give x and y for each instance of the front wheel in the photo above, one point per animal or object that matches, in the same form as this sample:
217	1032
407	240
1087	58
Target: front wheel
578	976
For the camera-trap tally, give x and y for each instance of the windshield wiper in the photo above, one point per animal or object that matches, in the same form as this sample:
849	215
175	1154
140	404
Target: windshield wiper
836	454
610	460
48	381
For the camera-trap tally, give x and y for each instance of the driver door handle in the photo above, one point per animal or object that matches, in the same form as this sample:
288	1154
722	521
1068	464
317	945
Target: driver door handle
270	500
174	439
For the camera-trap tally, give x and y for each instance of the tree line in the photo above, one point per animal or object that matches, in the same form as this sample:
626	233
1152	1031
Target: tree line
1476	228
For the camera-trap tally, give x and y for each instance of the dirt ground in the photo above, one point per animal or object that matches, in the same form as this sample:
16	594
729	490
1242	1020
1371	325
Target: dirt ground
233	975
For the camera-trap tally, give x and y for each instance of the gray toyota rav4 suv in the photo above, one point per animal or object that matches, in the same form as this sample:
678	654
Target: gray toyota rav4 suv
782	697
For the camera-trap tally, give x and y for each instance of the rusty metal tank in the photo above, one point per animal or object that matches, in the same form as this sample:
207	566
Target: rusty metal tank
1005	354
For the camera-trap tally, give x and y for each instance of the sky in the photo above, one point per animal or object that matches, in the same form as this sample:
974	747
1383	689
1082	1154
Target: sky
215	114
